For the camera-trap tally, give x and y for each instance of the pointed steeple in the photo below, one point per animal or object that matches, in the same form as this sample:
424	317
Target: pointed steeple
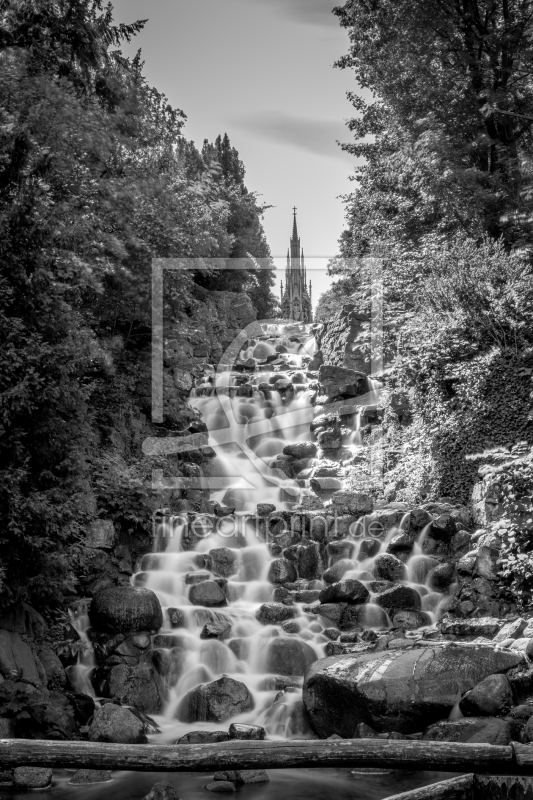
295	300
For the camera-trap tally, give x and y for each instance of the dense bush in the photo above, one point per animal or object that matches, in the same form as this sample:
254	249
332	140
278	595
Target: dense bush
509	473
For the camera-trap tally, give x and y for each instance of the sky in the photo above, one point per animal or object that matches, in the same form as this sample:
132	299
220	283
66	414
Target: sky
262	71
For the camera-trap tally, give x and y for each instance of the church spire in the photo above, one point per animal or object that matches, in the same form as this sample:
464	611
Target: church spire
295	301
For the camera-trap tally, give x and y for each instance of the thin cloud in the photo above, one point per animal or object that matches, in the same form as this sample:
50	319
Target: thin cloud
312	12
313	135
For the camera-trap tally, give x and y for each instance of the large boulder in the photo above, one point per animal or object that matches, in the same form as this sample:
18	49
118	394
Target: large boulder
399	597
443	527
475	730
331	611
442	577
368	548
55	673
410	620
208	594
126	609
416	519
17	661
300	450
117	724
348	590
402	543
490	698
388	567
336	572
396	690
310	565
274	613
224	561
32	778
216	702
289	656
139	686
352	502
511	630
281	570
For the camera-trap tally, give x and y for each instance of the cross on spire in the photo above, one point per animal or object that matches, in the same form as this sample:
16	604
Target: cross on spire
294	228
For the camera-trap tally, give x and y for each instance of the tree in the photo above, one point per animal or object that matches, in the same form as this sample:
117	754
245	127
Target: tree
452	114
95	180
256	273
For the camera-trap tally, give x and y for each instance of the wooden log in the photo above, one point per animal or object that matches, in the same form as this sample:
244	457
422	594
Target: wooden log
460	788
523	754
237	754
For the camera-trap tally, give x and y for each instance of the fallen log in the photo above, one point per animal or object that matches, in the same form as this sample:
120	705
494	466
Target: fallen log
523	754
238	754
453	789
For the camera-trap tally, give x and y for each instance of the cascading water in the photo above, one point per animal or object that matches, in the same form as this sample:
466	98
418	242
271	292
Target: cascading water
80	673
212	581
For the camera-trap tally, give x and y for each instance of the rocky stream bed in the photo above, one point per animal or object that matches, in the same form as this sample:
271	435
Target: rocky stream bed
292	600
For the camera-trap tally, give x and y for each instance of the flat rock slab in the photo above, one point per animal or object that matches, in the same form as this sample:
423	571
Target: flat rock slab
84	776
473	730
399	690
221	787
32	778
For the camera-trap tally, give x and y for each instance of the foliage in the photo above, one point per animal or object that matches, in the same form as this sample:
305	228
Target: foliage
410	460
483	285
29	710
447	136
342	291
96	179
509	472
462	353
249	243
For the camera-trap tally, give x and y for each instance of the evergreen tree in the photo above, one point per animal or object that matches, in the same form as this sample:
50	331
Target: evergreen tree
255	272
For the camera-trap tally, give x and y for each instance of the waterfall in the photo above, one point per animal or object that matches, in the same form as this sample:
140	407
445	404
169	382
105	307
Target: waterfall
252	411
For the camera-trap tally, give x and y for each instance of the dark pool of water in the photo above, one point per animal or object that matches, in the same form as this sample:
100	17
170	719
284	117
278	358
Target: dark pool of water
285	784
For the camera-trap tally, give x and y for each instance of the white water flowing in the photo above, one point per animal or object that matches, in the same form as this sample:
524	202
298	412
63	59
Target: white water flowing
250	420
